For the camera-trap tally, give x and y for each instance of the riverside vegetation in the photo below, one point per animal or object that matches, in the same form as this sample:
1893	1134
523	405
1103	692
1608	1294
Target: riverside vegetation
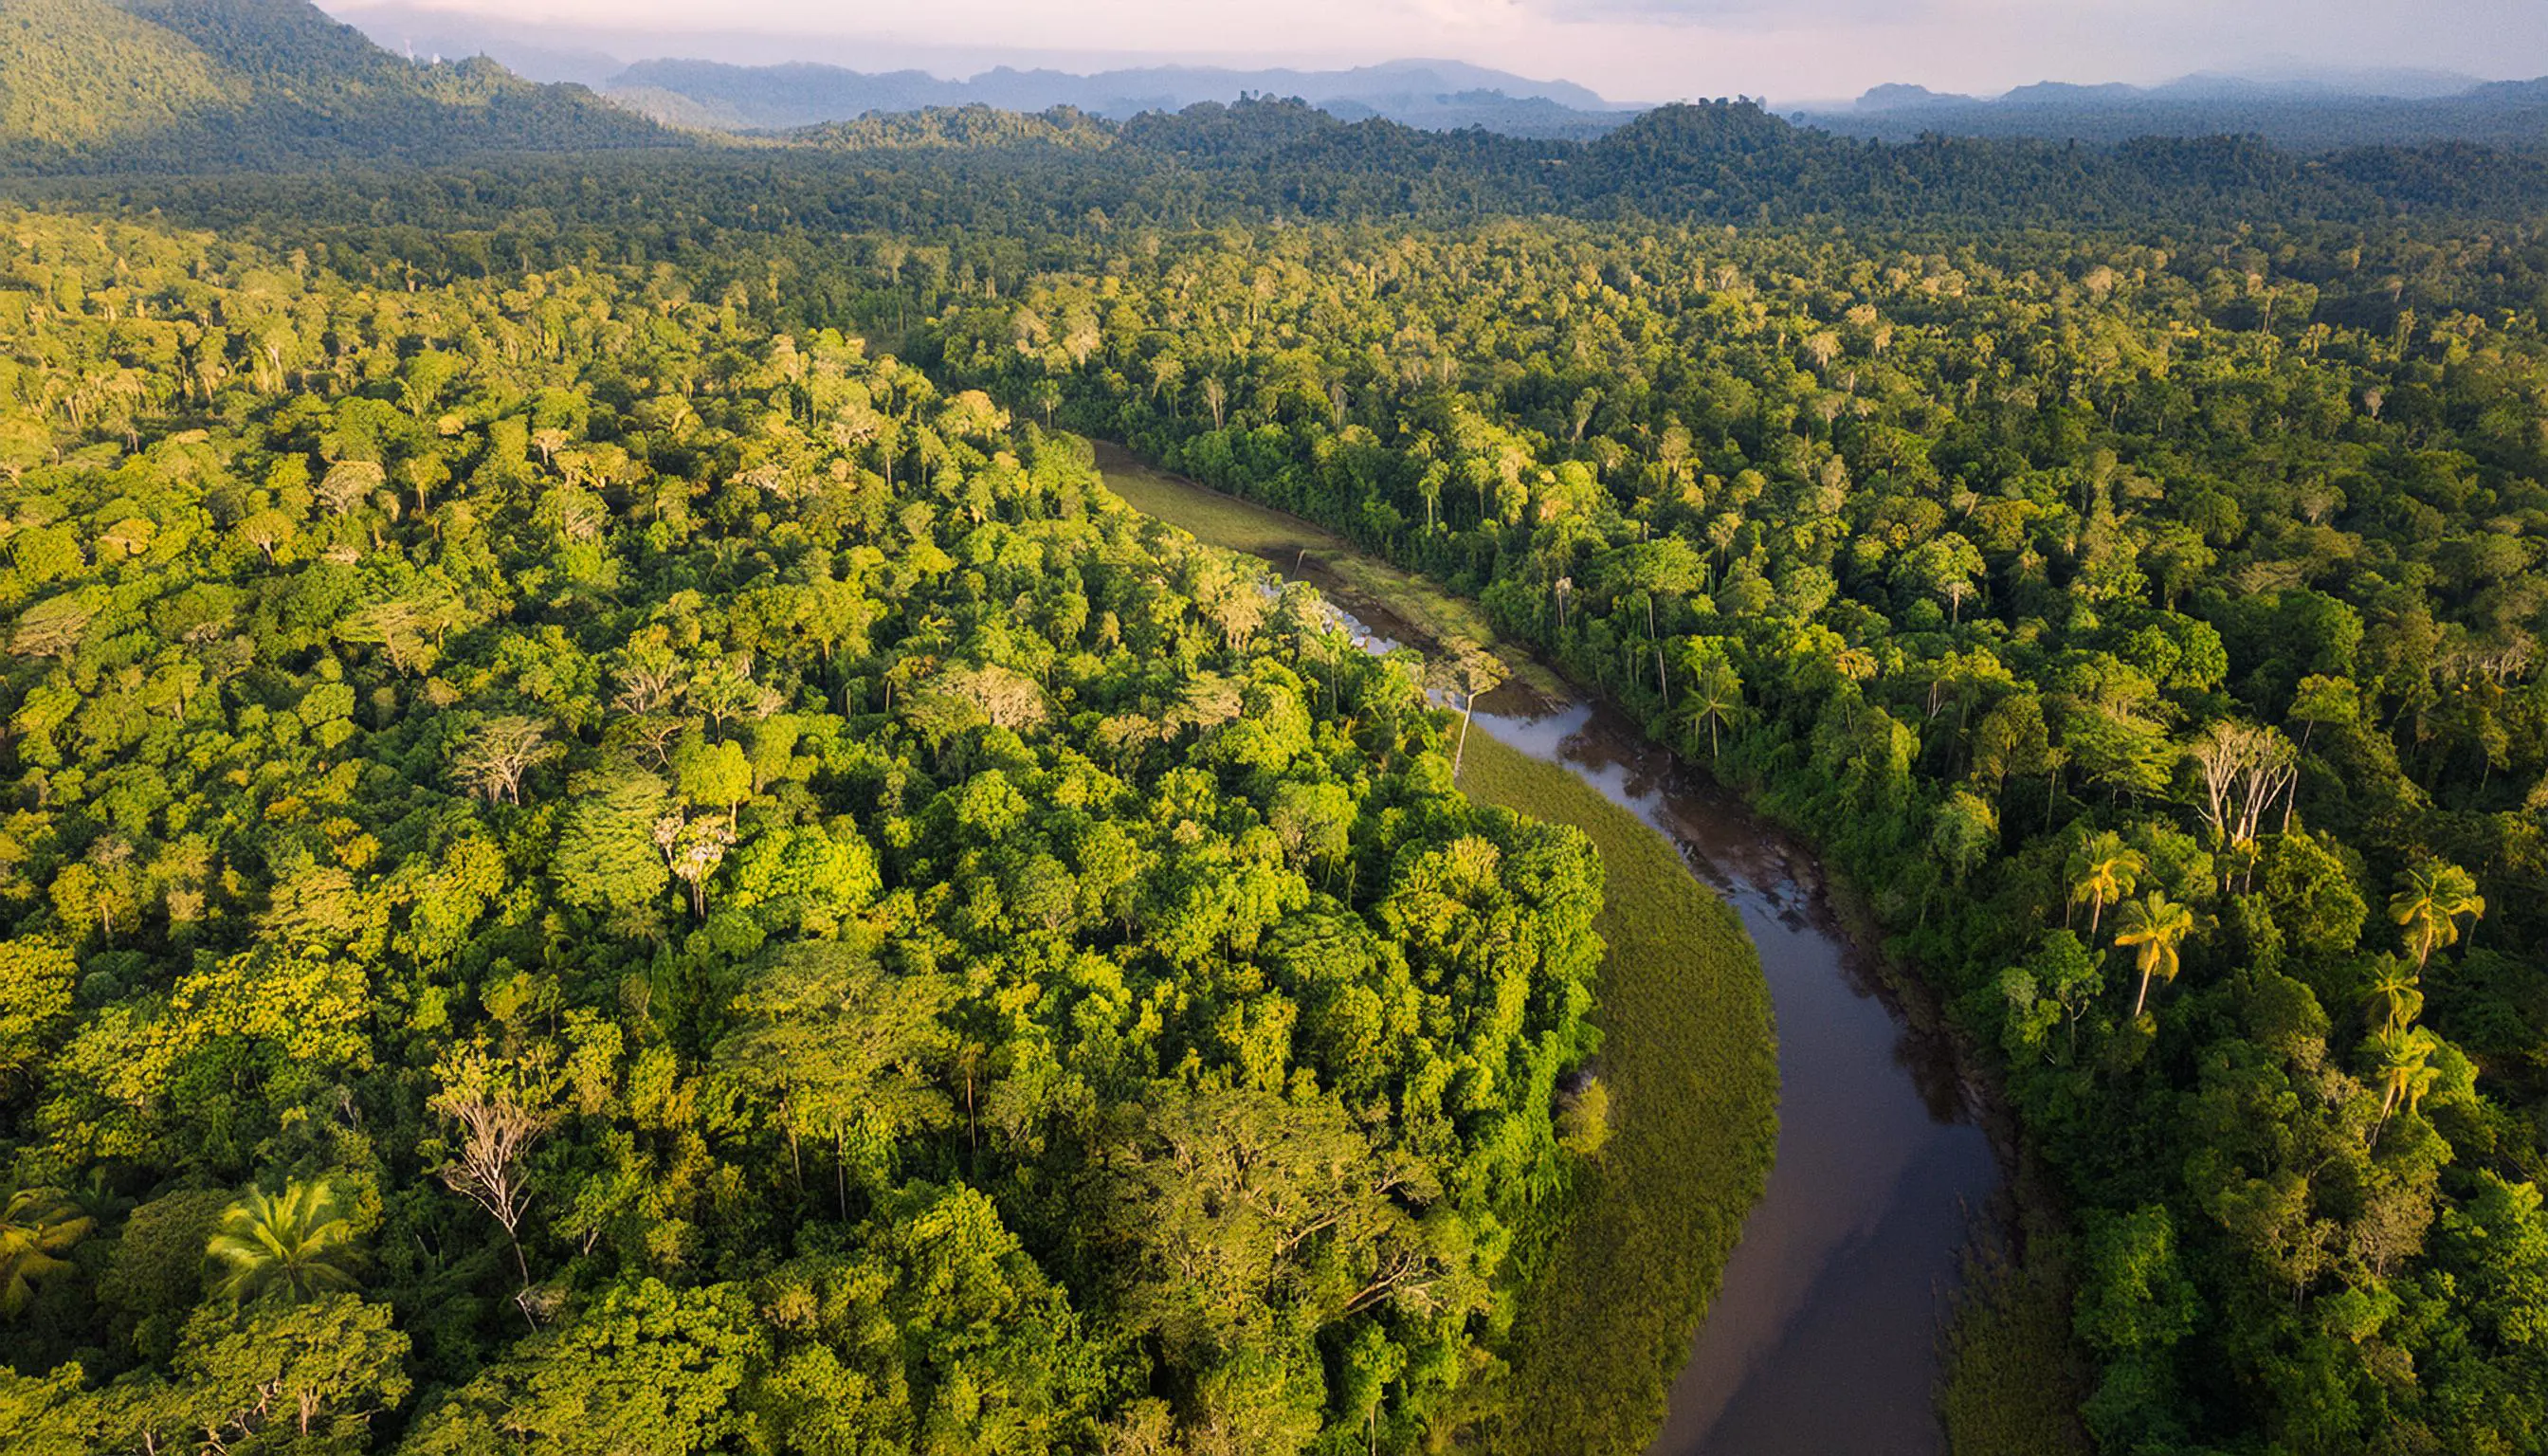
612	847
1684	1101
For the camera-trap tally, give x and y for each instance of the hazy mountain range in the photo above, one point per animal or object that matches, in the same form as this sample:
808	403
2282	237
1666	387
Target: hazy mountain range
1440	95
2301	112
192	84
731	93
737	81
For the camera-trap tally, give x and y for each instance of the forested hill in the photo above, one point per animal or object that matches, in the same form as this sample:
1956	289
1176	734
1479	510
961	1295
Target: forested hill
2296	116
233	86
126	85
1734	161
1002	172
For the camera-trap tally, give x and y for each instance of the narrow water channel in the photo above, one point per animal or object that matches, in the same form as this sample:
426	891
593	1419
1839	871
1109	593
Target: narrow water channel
1824	1338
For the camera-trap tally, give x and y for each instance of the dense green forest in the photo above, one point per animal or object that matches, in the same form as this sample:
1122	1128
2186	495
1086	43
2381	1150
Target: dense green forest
614	846
2150	633
653	845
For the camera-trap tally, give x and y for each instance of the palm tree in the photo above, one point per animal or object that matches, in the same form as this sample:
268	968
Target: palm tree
2432	898
2401	1056
2393	999
2153	927
1429	486
292	1243
37	1226
2102	871
1716	700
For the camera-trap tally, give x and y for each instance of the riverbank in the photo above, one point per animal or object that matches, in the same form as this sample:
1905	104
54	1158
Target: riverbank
1690	1059
2011	1376
1689	1049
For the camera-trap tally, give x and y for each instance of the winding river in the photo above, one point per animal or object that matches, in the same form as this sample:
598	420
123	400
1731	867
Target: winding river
1824	1338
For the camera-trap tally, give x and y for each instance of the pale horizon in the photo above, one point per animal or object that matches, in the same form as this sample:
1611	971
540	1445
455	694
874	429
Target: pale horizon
1627	50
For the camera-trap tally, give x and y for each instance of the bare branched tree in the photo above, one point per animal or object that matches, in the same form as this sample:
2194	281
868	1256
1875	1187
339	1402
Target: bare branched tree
497	755
1467	673
650	678
2245	769
698	847
499	1125
348	482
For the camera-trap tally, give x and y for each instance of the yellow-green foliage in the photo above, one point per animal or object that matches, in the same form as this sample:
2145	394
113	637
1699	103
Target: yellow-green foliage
75	71
1292	944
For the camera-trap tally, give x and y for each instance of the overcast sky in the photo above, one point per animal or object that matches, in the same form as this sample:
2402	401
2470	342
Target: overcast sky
1628	50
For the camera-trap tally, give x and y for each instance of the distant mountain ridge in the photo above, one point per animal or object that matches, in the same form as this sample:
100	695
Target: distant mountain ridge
715	82
747	89
210	85
2304	112
2392	84
224	86
1437	95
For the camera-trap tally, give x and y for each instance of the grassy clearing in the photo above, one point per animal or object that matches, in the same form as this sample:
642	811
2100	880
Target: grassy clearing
1209	516
1688	1055
1690	1059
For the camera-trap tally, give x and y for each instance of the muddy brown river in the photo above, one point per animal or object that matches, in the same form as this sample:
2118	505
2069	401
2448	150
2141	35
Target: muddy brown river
1824	1338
